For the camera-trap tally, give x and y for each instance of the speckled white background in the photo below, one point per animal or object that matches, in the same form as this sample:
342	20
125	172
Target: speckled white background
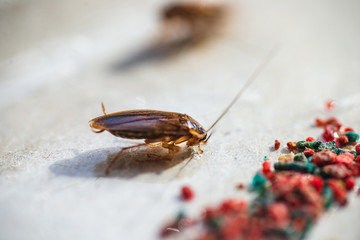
55	69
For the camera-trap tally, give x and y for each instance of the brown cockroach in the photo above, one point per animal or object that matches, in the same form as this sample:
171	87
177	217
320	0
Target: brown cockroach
160	128
193	11
195	22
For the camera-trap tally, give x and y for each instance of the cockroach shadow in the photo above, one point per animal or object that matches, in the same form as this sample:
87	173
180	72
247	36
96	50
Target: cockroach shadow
155	52
129	164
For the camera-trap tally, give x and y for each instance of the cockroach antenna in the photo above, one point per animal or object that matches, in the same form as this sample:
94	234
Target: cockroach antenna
251	79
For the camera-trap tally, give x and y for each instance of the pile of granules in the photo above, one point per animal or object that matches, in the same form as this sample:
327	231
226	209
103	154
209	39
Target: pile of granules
314	176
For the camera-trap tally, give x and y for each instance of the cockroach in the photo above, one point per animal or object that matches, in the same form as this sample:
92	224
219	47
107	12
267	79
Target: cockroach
192	22
160	128
193	11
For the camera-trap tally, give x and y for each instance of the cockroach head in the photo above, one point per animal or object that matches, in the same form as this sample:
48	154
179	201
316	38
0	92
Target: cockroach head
204	138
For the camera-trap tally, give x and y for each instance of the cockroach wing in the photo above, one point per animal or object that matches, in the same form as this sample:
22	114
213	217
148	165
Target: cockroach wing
143	124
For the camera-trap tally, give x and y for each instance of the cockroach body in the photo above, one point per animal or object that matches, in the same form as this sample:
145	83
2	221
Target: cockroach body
168	129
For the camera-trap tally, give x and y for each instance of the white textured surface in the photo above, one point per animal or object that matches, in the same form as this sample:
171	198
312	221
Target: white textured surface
54	72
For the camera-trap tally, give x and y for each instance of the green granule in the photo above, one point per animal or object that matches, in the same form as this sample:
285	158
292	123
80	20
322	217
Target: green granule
258	181
295	166
302	145
214	223
181	214
324	146
300	157
315	145
328	197
354	153
339	151
353	137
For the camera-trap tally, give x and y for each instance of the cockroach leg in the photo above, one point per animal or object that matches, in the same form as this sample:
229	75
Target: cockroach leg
200	150
154	145
117	156
172	148
182	139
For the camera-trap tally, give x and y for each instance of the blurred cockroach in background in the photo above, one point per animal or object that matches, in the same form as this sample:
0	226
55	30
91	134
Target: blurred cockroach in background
191	22
182	26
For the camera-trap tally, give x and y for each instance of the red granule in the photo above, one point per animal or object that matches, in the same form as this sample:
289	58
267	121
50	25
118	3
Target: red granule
270	175
357	149
354	168
240	186
328	134
357	159
330	121
291	146
308	152
232	205
329	105
334	122
187	193
277	144
297	190
345	159
310	139
339	191
266	166
341	141
317	183
320	122
348	129
350	183
230	230
208	213
279	214
299	224
323	158
337	171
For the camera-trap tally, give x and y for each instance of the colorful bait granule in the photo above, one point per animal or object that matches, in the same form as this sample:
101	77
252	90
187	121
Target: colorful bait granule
240	186
291	146
357	148
266	167
348	129
308	152
341	141
277	144
353	137
329	105
288	200
187	193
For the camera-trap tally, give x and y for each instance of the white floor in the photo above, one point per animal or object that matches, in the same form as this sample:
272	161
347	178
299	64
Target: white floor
56	67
